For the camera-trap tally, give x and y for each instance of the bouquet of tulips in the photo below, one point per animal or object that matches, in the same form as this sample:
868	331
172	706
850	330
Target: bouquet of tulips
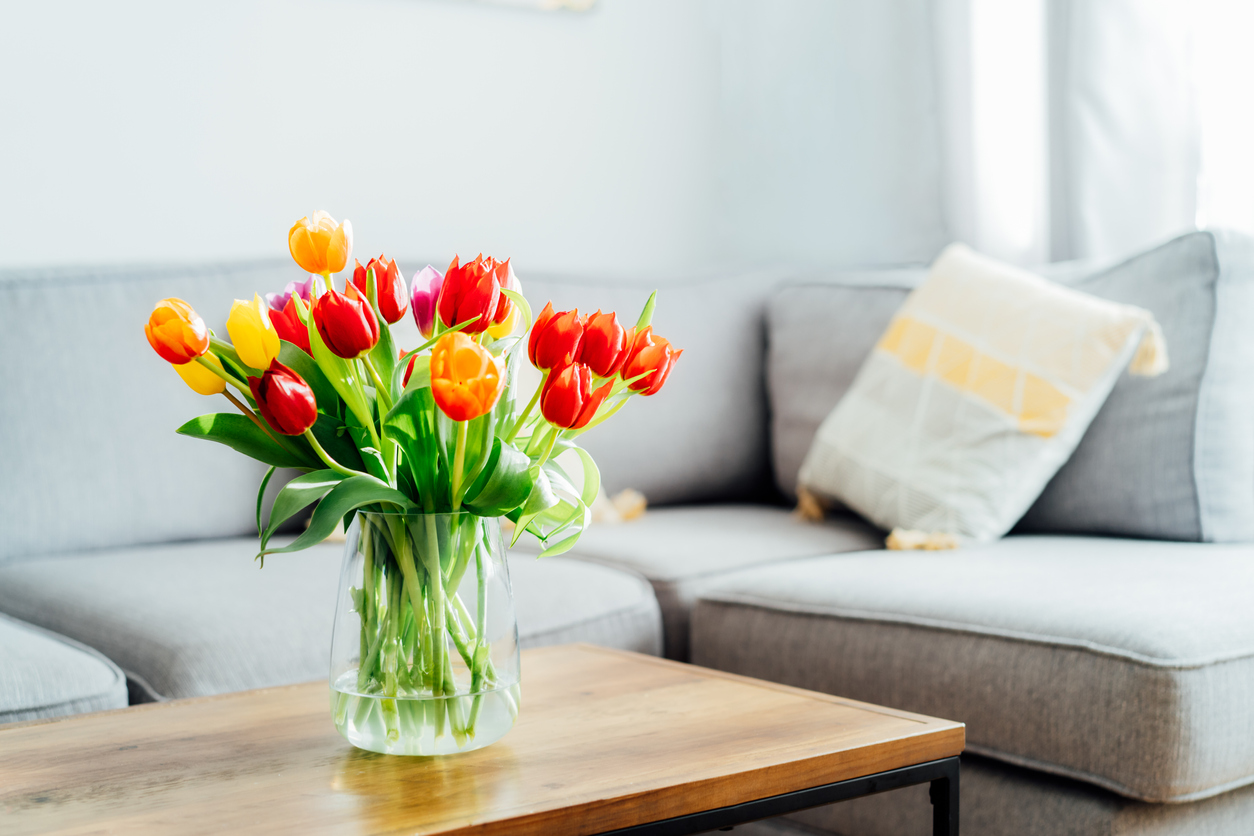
320	385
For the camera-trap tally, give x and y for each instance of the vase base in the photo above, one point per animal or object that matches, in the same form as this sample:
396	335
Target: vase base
422	725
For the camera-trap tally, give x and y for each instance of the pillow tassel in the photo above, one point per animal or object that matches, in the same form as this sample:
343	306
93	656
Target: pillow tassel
1151	355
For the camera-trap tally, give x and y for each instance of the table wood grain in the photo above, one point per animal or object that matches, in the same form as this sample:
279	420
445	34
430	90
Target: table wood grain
605	739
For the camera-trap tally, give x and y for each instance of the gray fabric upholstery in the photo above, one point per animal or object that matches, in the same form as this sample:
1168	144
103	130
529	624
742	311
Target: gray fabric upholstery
683	550
201	618
46	675
559	600
1171	457
704	436
1124	663
1002	800
91	459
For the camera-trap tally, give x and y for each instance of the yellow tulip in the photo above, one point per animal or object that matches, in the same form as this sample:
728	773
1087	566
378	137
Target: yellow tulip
320	245
252	333
200	379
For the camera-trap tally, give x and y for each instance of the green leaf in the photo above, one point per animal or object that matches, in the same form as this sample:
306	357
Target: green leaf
333	435
504	484
297	494
261	494
349	495
411	424
538	501
243	436
646	316
521	301
295	358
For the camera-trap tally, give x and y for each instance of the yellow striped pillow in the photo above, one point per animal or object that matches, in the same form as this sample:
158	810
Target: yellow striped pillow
977	393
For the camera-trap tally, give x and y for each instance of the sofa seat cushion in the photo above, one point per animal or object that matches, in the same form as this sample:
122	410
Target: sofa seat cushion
194	619
681	550
46	675
1127	664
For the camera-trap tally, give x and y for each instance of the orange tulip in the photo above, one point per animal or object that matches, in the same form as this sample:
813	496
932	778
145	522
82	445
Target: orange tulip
652	354
320	245
466	380
176	332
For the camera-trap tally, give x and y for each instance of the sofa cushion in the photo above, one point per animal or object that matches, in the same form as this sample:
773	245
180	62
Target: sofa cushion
1124	663
1171	457
978	391
704	436
201	618
91	458
683	550
46	675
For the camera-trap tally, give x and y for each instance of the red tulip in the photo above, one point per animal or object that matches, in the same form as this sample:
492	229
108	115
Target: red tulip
347	325
605	344
568	400
652	354
289	327
389	287
505	278
470	290
285	399
555	338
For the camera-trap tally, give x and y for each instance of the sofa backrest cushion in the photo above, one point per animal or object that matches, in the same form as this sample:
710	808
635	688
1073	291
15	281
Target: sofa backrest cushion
704	436
1170	457
90	457
820	329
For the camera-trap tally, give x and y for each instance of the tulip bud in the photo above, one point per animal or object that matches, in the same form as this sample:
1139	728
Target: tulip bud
568	400
288	326
201	380
426	294
278	301
555	338
389	287
176	332
254	338
507	313
470	291
347	325
652	354
605	344
320	245
466	380
285	399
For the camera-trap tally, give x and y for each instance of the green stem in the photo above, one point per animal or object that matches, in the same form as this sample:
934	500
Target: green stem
367	419
221	372
548	450
384	394
526	413
459	463
330	462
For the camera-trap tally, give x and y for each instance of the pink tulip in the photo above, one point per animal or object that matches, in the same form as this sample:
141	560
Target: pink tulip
426	294
278	301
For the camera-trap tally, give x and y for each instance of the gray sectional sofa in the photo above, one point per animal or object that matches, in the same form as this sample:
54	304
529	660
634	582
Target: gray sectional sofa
1103	663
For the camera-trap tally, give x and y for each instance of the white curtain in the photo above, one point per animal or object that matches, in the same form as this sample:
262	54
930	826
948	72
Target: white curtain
1093	128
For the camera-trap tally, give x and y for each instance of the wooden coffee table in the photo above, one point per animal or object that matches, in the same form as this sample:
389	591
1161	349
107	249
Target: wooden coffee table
606	741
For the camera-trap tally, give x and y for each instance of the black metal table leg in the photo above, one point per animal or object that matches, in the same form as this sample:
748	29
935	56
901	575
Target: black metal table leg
944	795
941	774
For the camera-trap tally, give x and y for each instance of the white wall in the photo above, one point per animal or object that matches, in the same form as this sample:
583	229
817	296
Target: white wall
644	135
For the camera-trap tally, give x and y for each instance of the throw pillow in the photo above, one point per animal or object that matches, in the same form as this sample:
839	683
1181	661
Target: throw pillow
977	393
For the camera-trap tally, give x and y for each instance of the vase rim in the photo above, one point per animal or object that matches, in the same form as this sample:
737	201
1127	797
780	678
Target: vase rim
424	515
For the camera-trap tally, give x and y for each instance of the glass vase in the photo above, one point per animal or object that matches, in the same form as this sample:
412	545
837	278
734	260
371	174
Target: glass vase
424	656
